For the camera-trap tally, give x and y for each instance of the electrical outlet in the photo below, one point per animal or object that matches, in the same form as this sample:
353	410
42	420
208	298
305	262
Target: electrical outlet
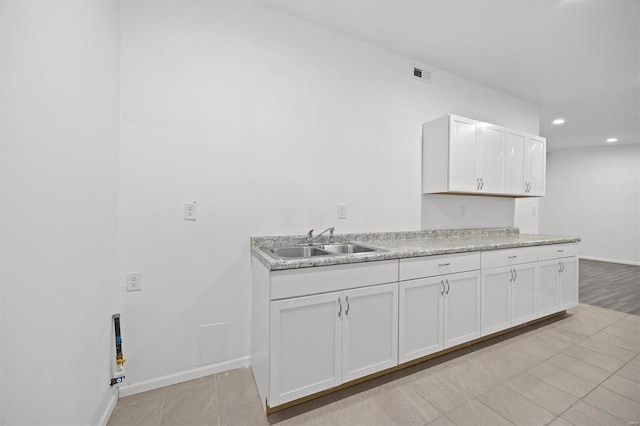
342	211
190	212
134	281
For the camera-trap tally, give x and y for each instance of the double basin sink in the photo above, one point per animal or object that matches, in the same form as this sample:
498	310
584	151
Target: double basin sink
301	252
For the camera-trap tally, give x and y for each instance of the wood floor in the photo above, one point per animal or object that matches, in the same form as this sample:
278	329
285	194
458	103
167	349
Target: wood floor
610	285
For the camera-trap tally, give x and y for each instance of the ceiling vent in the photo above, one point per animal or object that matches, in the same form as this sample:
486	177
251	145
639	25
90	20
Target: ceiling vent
419	73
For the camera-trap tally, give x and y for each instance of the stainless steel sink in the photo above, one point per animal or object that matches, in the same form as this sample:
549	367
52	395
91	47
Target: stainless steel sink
295	252
301	252
348	248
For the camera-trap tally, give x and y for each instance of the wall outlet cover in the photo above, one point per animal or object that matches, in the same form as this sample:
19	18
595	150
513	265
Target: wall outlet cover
134	281
190	211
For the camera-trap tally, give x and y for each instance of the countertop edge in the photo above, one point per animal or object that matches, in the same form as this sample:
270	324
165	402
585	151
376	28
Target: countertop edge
281	265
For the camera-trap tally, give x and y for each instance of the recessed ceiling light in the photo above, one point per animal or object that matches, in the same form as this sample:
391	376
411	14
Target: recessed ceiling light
558	121
612	140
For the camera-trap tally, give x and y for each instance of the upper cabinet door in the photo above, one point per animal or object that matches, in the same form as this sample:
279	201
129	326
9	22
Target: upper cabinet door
490	158
535	164
514	153
463	175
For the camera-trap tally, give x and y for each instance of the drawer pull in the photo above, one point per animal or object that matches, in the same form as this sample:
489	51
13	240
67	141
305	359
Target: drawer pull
512	257
347	300
340	304
560	251
444	264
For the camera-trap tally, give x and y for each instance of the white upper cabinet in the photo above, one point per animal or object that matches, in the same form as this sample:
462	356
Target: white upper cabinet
466	156
525	164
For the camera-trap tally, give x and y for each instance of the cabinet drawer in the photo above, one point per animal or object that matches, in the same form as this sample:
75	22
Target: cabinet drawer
556	251
498	258
324	279
429	266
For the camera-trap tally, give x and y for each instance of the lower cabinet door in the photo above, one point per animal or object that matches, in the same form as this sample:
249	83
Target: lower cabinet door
420	318
568	282
461	308
370	330
548	287
305	346
523	294
496	299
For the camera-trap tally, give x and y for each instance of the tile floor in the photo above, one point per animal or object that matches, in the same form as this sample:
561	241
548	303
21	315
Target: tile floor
581	369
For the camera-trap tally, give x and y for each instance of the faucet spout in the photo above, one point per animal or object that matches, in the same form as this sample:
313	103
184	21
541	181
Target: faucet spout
310	238
330	230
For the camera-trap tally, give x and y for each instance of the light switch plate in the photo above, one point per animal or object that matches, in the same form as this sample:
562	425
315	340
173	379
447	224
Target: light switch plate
342	211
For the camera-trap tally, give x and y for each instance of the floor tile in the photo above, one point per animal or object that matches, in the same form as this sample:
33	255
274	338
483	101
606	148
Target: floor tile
442	394
191	405
476	413
582	325
133	399
601	314
536	349
563	380
236	387
441	421
594	357
367	412
190	383
560	422
250	413
614	404
145	412
515	407
630	322
471	377
584	414
613	337
630	371
607	349
582	369
623	386
542	393
405	406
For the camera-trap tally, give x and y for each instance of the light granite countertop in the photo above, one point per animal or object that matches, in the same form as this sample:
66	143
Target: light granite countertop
398	245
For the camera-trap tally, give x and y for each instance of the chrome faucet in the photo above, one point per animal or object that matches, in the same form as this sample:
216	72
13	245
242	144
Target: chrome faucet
310	238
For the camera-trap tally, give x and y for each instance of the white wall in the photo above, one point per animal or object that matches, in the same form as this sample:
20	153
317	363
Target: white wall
58	195
594	193
268	122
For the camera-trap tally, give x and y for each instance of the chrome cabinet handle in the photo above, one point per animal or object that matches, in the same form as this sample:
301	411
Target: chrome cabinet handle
347	300
442	291
515	275
444	264
481	183
478	183
340	304
560	251
448	286
559	266
510	275
562	263
512	257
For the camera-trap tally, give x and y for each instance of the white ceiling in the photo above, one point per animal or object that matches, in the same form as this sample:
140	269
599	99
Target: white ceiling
577	59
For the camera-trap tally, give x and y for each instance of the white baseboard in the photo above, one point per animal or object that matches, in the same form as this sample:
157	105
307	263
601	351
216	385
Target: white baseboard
172	379
601	259
113	400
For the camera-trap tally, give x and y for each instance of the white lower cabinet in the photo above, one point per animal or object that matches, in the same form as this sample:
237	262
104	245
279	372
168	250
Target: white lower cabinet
317	328
318	342
508	297
437	313
558	285
558	278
